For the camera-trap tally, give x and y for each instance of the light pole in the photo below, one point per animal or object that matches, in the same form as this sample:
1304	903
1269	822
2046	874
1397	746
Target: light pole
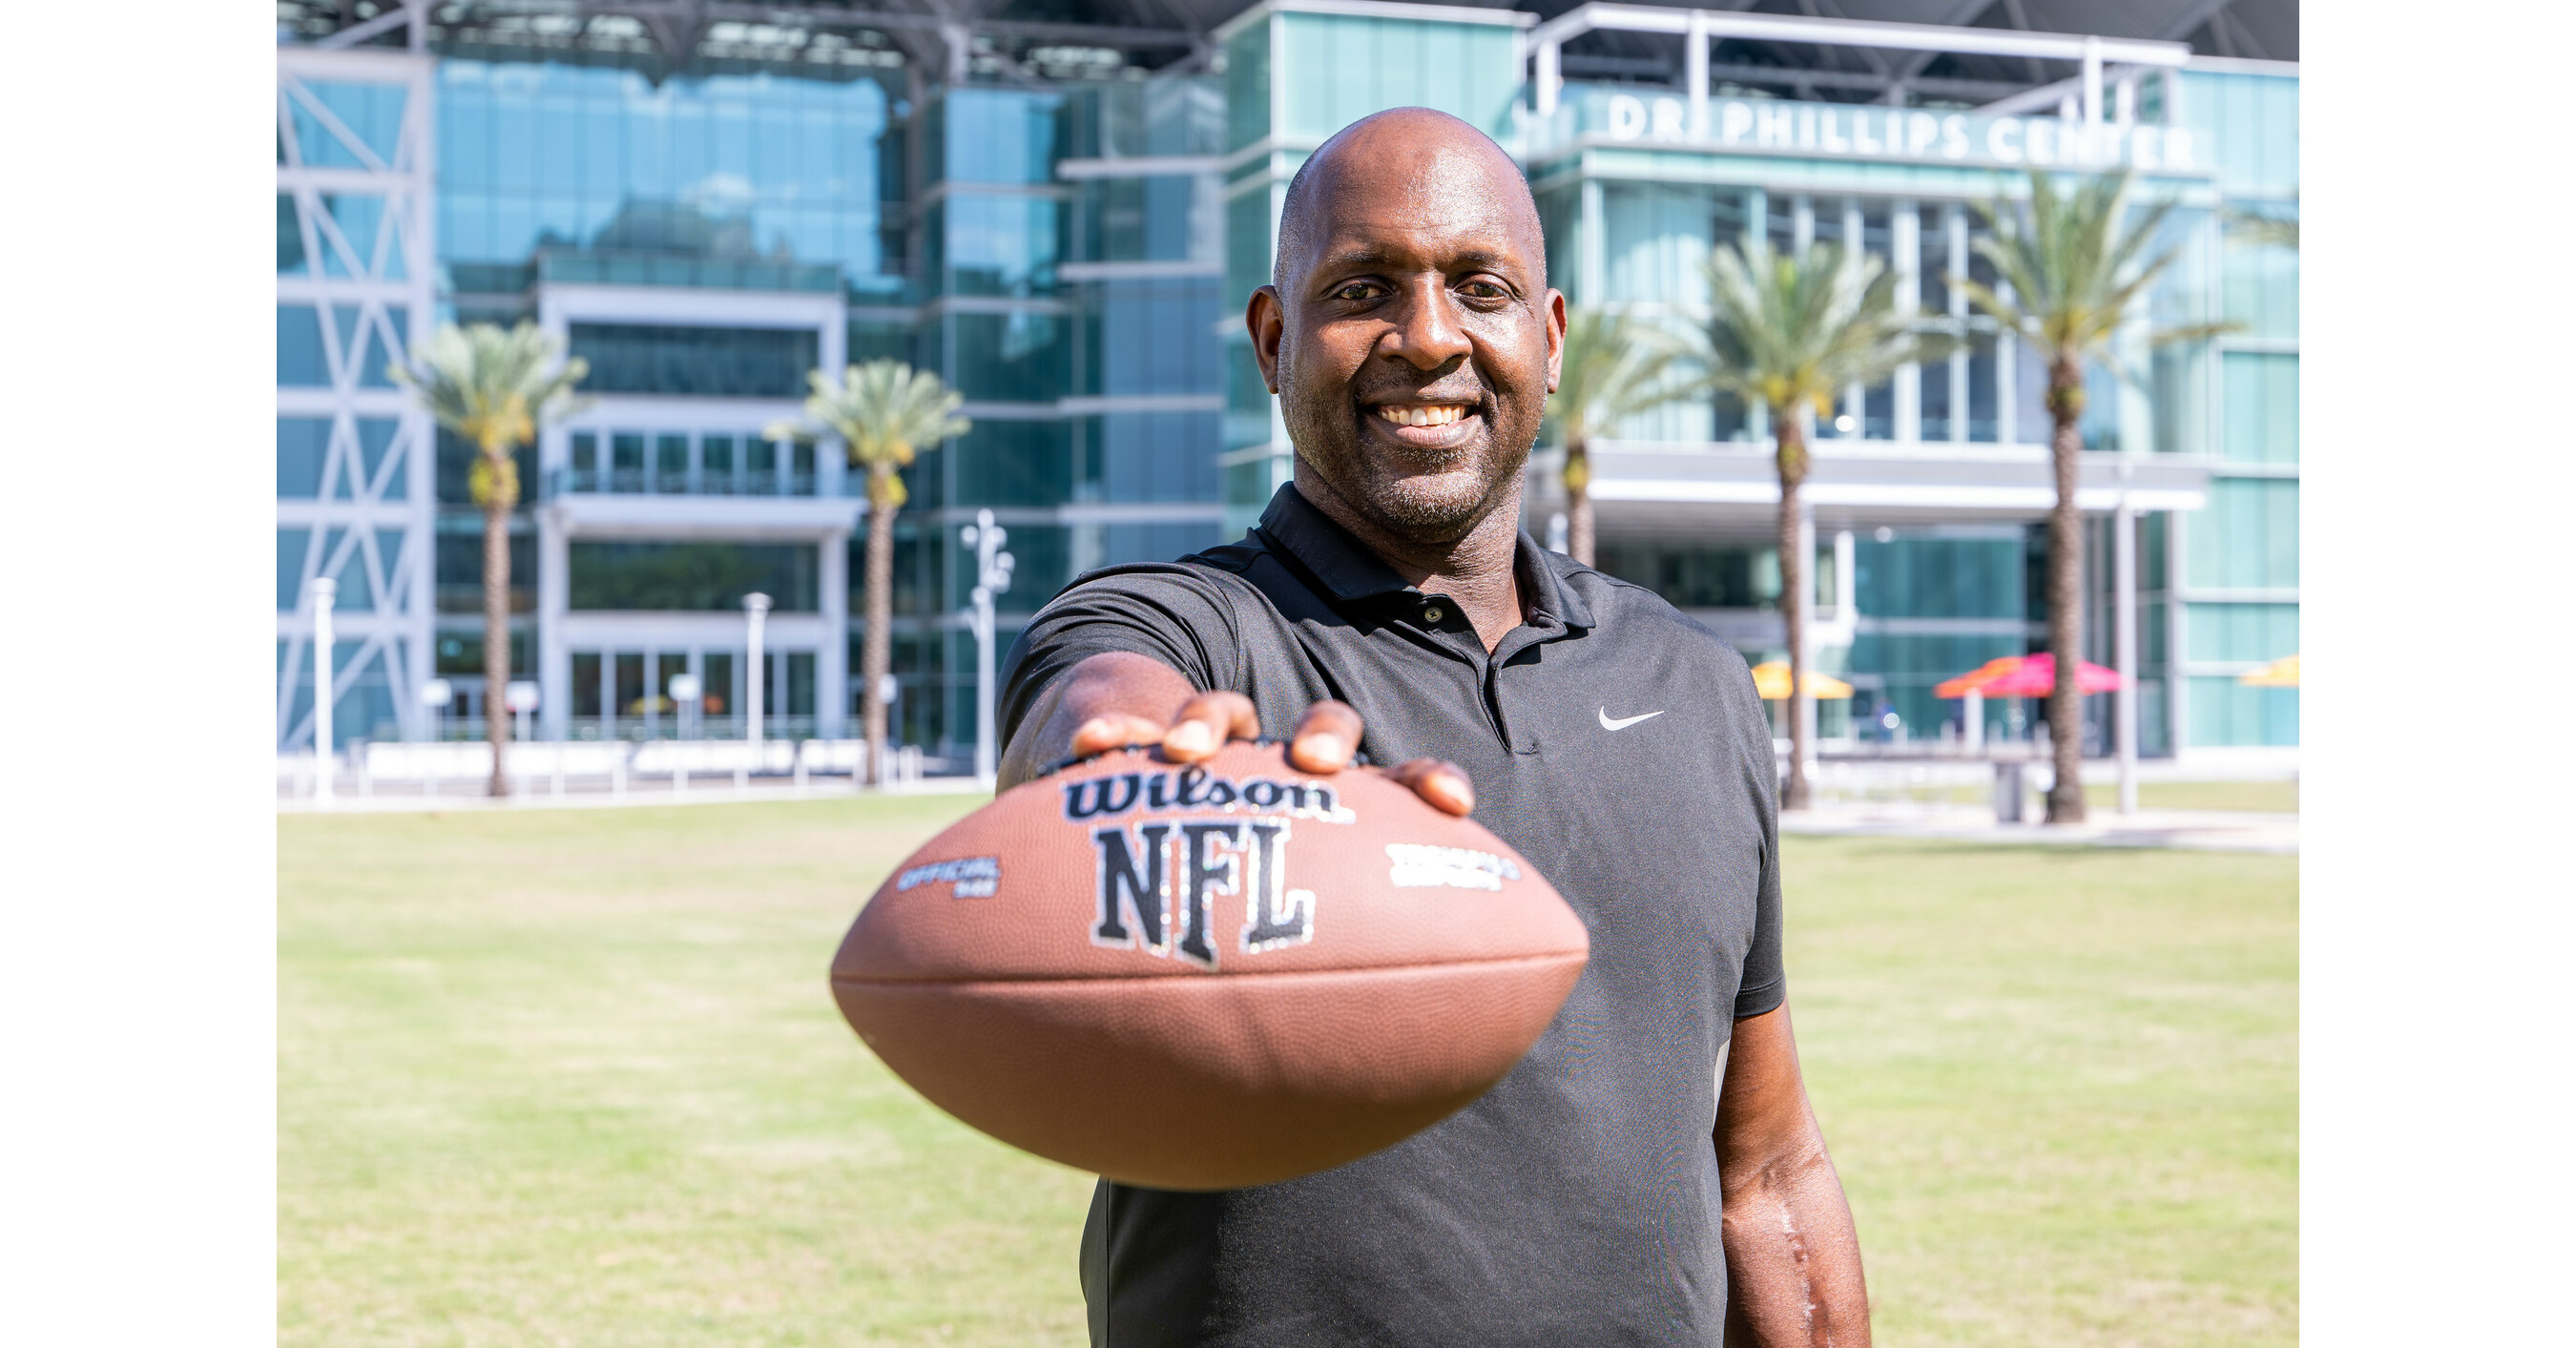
755	609
325	590
992	577
685	691
2124	638
435	697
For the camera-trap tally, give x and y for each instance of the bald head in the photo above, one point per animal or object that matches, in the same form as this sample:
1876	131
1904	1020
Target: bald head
1418	151
1409	331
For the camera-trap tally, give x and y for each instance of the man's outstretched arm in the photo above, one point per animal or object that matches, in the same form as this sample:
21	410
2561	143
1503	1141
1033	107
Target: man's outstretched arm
1792	1256
1115	699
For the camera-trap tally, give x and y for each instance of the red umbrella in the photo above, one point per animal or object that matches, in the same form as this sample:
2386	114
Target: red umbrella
2028	676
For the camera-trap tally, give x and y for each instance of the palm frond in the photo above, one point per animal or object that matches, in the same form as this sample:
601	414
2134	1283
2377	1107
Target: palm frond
2070	268
1788	332
884	412
494	386
1615	367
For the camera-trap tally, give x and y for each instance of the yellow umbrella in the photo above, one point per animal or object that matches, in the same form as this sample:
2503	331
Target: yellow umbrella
1771	680
2281	673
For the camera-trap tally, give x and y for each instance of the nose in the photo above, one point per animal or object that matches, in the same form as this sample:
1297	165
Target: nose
1426	333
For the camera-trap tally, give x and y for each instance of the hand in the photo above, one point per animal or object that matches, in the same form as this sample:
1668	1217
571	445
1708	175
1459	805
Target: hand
1325	738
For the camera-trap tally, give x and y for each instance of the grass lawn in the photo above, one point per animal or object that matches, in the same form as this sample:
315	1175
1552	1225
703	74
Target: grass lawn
572	1077
2261	797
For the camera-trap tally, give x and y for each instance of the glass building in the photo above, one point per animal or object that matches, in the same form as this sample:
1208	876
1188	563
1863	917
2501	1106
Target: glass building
1061	213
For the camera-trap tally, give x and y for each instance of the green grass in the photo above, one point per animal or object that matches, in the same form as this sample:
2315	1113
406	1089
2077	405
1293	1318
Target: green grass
573	1077
2261	797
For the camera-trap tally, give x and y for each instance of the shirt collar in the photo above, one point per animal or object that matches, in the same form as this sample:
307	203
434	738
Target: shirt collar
1345	567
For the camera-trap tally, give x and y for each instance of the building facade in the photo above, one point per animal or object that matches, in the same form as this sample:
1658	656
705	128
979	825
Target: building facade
1067	237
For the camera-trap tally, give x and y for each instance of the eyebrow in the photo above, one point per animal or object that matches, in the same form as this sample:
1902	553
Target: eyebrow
1472	259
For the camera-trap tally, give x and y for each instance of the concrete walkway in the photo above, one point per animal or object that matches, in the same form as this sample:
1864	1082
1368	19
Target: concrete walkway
2201	830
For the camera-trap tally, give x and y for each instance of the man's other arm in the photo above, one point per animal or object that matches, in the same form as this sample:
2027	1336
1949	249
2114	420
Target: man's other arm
1792	1255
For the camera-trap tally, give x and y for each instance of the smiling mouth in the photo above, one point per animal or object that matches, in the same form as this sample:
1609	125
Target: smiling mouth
1434	414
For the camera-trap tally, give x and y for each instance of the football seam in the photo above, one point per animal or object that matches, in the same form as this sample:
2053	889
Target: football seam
840	979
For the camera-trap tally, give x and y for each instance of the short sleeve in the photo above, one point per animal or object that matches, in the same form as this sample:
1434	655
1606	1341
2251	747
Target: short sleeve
1765	981
1172	612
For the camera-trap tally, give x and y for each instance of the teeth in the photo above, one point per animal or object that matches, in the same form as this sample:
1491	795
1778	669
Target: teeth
1439	414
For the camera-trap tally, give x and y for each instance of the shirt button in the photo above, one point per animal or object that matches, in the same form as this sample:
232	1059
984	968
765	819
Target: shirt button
1434	614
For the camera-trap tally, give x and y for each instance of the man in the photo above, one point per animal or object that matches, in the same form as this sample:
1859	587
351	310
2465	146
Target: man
1653	1158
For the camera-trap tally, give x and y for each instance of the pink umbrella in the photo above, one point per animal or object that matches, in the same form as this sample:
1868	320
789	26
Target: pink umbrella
2036	676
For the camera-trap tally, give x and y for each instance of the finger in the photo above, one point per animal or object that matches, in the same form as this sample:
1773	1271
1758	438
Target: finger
1206	722
1444	785
1116	730
1325	737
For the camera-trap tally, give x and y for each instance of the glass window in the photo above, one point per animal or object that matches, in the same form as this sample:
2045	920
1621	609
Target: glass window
375	445
608	163
2248	632
1982	423
290	237
585	684
1161	456
716	460
671	463
2221	711
300	362
2262	403
693	577
1012	463
994	136
301	444
369	114
1133	326
1016	358
701	362
983	244
1655	242
2259	289
2248	537
291	544
359	216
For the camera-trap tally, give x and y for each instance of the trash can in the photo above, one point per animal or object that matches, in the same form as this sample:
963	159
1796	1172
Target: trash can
2008	792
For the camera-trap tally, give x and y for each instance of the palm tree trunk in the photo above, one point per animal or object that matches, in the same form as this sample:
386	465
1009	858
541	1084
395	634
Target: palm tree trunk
1578	501
1793	600
496	636
2066	597
876	655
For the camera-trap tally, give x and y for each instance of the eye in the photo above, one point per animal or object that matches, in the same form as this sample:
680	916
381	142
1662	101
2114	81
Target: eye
1359	292
1483	290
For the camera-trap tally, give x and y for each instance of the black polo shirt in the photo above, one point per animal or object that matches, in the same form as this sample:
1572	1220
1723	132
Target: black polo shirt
1621	748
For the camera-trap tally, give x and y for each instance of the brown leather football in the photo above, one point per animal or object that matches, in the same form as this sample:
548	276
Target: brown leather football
1207	977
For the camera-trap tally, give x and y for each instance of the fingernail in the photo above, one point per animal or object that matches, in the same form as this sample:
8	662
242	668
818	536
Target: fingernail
1323	746
1092	729
1458	793
1190	737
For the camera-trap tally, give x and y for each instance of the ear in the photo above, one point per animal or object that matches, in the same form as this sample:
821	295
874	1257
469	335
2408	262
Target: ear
1555	338
1266	319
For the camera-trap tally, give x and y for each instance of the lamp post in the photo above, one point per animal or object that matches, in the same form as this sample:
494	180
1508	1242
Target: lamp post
436	696
992	577
685	691
755	609
2124	638
325	591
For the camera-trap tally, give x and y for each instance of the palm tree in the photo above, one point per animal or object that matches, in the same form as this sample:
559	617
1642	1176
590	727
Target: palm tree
884	411
495	388
1791	334
1614	367
2075	271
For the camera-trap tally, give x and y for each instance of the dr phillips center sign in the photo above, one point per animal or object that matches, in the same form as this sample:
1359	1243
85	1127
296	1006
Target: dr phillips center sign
1859	131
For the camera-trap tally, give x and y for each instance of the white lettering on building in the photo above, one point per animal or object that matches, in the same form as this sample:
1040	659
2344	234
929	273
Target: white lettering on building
1856	132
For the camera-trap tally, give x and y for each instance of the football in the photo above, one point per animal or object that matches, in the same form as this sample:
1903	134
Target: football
1207	977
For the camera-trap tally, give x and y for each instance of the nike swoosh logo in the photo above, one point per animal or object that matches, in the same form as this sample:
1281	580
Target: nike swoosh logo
1624	722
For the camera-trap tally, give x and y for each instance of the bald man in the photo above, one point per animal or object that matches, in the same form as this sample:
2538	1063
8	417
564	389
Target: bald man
1650	1173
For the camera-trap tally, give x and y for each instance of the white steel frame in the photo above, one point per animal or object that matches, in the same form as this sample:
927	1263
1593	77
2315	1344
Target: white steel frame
394	271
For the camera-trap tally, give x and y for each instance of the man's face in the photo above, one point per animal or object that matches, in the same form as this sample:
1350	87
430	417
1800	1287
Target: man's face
1415	341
